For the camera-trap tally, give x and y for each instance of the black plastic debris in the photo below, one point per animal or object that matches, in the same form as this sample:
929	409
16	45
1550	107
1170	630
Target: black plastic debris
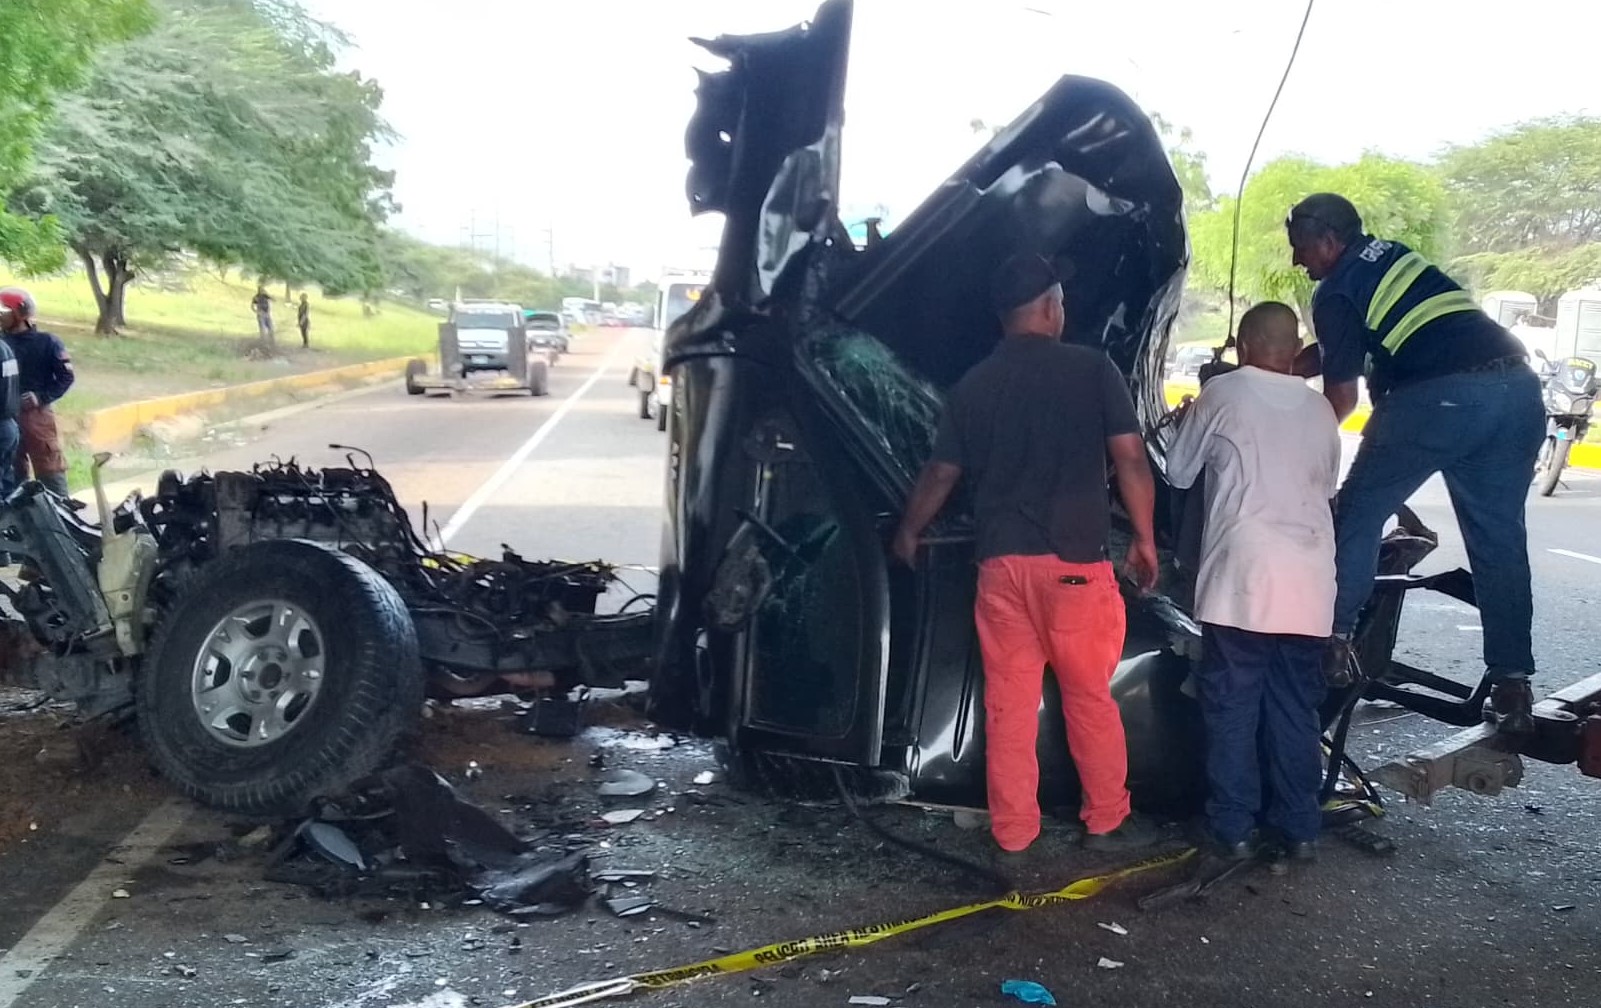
408	832
555	716
543	888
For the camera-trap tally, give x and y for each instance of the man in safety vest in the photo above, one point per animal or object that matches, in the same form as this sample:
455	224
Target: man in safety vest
1452	394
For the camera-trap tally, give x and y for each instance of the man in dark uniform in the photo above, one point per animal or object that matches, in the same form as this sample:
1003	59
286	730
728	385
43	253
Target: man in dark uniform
303	320
45	375
1452	394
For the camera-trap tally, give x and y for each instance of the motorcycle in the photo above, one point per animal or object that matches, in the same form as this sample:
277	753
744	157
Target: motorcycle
1570	393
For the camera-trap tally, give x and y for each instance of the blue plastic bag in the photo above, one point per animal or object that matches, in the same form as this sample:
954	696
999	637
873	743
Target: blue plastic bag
1028	992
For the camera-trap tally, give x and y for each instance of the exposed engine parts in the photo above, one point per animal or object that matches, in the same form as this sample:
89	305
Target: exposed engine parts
481	624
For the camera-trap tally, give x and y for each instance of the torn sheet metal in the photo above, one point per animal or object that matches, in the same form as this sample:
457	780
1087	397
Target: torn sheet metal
409	831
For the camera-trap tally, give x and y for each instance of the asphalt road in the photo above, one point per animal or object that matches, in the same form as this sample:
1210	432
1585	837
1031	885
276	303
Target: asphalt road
1486	903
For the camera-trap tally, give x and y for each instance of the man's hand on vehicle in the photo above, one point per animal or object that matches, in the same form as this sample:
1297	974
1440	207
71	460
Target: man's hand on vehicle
905	547
1143	565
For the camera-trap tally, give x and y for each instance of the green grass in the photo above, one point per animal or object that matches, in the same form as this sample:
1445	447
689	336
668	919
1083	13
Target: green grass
191	330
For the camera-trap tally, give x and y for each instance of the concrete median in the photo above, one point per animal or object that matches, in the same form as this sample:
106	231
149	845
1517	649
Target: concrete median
116	426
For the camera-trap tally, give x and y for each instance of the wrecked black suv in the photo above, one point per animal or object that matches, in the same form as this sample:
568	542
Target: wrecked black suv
808	382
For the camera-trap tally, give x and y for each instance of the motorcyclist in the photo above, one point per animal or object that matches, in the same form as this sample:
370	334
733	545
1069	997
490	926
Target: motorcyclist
44	376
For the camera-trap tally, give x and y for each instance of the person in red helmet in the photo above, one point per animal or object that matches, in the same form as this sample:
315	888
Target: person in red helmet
45	375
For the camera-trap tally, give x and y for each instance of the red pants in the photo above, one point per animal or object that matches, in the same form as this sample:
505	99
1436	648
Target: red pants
41	444
1029	615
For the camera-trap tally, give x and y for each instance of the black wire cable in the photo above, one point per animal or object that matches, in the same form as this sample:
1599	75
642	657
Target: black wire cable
990	875
1245	173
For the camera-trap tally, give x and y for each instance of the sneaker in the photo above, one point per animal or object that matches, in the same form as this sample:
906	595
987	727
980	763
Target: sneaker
1512	702
1337	664
1134	832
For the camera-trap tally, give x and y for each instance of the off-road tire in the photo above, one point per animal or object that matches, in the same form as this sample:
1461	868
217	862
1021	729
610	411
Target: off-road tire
538	377
371	696
1551	475
414	370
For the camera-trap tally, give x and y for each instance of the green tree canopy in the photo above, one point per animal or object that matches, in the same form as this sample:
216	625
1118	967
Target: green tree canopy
1526	206
1189	166
45	48
1397	199
226	132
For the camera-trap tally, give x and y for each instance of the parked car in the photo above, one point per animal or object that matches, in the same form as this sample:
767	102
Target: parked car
1188	360
547	329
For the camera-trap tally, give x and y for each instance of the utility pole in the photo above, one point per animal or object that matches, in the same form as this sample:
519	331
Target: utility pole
550	247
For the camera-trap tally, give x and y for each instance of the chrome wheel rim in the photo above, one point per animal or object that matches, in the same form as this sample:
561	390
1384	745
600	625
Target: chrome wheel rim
258	674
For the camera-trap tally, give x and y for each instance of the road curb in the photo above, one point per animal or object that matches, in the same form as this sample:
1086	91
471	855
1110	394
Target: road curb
1582	456
115	427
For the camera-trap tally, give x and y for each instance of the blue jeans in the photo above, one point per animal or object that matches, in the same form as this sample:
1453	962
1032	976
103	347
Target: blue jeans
10	443
1482	432
1259	700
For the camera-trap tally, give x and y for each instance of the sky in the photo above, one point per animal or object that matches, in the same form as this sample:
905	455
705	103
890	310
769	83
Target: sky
553	129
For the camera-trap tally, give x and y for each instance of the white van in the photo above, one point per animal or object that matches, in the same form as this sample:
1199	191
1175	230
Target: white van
679	292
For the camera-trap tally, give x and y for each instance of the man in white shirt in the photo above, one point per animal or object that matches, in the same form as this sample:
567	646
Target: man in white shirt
1264	594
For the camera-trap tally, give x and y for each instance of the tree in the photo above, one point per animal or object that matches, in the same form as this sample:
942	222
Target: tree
1189	166
1397	199
1526	206
222	133
47	45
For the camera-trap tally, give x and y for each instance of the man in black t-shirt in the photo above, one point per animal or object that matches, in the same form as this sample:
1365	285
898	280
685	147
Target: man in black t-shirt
1452	394
1031	428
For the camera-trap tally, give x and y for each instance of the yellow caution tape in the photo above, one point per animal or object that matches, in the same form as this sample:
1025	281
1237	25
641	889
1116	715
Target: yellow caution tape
858	937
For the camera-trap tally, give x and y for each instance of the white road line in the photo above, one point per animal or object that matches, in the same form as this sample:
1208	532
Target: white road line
1577	556
55	932
508	468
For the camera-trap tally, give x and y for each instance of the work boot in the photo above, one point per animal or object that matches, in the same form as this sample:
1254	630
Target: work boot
1241	851
1301	851
1512	702
1133	833
1338	669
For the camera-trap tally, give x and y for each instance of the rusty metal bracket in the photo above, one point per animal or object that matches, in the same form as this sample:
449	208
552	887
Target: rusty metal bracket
1485	762
1470	760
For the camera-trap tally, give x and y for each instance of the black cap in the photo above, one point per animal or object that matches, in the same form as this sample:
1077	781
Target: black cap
1020	279
1334	212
